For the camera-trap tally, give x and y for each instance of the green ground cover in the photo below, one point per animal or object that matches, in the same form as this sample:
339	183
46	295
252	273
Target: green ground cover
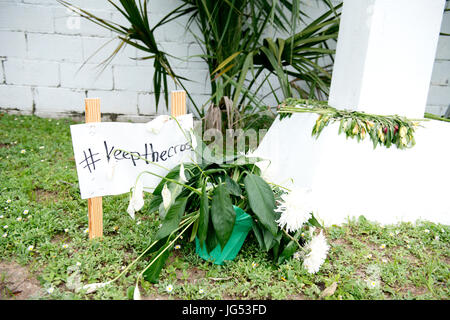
43	224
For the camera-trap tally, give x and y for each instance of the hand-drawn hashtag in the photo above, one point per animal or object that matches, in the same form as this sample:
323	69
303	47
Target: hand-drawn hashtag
89	160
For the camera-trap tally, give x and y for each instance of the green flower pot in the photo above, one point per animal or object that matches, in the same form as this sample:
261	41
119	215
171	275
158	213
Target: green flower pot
242	226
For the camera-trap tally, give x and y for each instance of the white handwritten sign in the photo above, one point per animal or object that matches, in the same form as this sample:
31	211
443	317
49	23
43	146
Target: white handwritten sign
105	169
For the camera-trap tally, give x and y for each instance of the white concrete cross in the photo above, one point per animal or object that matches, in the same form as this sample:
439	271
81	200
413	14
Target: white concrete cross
384	60
385	55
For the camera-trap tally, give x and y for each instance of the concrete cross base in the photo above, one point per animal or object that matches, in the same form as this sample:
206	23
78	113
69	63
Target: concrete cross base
349	179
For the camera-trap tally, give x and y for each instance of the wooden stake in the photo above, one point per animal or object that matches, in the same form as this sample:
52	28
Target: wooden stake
95	210
178	103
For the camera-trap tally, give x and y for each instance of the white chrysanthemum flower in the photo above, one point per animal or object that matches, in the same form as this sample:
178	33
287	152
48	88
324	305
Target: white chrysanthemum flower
25	212
201	291
30	248
182	174
295	208
8	201
65	246
319	250
169	288
137	294
156	124
50	290
22	151
5	235
19	219
167	196
136	199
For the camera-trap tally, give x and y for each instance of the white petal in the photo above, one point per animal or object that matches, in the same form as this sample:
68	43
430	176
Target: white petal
138	196
92	287
130	209
167	196
182	174
193	141
137	294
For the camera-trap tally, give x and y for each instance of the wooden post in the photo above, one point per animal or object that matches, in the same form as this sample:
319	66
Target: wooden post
177	103
95	210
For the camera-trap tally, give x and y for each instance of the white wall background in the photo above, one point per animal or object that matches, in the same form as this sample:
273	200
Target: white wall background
42	46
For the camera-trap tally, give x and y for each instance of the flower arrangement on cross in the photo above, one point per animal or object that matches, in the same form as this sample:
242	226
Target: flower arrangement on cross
203	198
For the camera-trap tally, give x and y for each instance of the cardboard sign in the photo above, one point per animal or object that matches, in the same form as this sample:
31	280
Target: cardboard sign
110	155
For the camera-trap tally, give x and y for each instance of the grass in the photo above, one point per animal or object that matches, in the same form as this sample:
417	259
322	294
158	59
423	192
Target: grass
366	260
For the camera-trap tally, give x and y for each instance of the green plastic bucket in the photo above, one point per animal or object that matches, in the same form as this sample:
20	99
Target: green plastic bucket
242	226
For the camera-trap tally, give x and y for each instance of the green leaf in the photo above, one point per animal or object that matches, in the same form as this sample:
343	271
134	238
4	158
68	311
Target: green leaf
130	292
313	221
290	248
233	186
152	273
257	230
262	201
172	218
222	214
204	216
211	239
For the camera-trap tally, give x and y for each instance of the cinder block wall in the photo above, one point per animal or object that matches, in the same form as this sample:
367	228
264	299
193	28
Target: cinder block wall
43	45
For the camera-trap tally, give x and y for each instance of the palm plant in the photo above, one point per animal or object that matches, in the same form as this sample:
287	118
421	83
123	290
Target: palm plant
238	52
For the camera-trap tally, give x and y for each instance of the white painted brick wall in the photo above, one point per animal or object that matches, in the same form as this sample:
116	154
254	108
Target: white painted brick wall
13	44
16	97
46	100
54	47
31	72
87	78
42	46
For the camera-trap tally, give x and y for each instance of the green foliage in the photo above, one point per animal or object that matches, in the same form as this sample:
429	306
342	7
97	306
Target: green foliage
239	55
412	266
222	214
385	130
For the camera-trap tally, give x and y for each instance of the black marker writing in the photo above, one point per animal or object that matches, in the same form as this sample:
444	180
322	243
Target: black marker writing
89	160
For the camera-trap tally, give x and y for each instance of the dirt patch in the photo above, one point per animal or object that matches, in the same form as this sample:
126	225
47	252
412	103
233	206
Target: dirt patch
194	275
17	283
45	196
4	145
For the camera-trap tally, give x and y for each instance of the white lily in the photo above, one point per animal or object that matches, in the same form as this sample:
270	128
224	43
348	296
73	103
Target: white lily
136	199
167	196
156	124
182	174
193	140
136	294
